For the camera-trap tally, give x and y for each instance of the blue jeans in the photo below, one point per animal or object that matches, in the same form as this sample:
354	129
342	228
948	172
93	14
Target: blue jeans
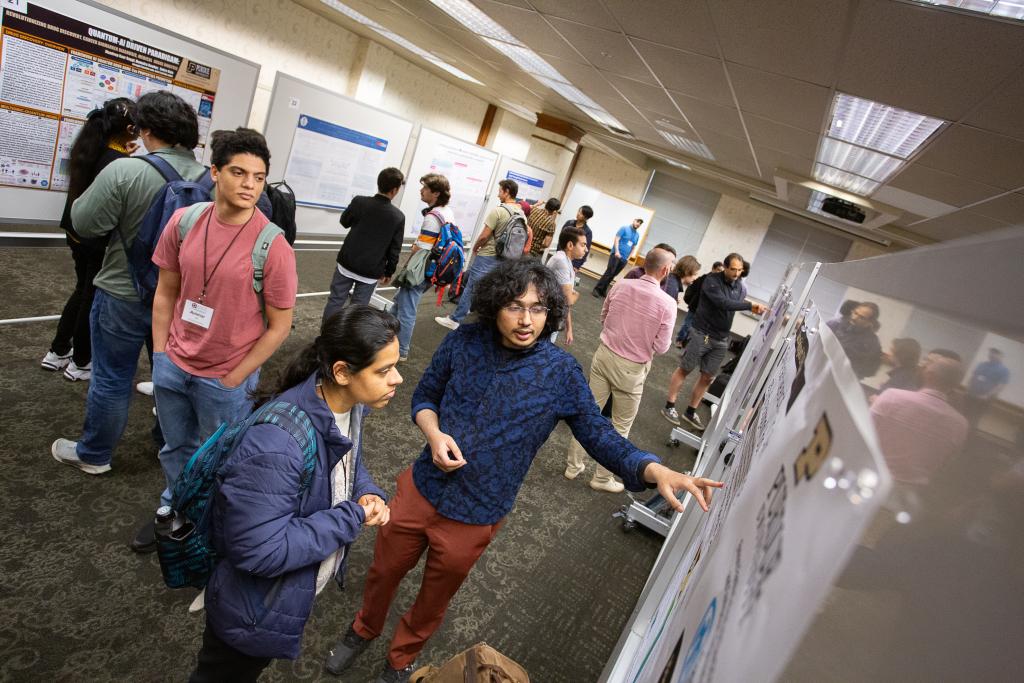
191	408
404	308
342	287
119	330
480	266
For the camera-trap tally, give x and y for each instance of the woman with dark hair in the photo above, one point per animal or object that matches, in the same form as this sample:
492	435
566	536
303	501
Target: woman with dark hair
279	548
108	134
904	356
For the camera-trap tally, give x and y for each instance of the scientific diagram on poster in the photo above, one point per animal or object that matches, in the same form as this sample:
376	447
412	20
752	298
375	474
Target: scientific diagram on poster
55	70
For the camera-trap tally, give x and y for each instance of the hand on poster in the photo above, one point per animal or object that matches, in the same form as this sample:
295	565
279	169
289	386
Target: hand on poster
758	309
670	483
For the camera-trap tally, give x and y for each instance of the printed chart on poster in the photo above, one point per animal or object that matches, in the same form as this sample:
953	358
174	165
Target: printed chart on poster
59	61
329	148
469	169
534	183
610	213
805	481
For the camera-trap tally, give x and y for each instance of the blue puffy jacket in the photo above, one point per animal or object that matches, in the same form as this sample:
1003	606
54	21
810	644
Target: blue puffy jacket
271	539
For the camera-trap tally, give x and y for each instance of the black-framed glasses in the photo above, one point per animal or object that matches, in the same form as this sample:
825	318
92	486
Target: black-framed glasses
517	309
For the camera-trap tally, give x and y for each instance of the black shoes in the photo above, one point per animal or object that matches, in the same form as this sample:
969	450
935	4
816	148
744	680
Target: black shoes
145	538
389	675
344	653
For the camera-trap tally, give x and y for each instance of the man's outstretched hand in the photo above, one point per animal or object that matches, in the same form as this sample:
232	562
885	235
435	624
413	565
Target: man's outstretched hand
670	482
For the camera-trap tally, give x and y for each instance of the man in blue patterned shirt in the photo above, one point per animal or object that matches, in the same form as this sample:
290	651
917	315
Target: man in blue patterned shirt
493	393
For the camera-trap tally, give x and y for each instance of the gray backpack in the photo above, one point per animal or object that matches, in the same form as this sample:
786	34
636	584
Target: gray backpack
511	243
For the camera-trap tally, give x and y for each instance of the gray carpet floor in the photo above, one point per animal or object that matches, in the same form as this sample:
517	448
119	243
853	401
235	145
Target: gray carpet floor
553	591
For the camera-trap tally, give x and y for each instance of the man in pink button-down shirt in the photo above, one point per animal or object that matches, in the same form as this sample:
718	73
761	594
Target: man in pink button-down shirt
638	322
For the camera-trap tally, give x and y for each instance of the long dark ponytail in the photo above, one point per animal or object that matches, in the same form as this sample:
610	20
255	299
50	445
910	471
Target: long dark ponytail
109	121
353	335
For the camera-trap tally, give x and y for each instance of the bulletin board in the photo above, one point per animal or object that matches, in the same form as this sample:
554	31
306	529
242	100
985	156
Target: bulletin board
329	148
469	169
610	213
534	183
60	59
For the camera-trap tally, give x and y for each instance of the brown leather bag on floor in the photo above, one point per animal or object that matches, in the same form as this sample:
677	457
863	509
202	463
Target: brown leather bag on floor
479	664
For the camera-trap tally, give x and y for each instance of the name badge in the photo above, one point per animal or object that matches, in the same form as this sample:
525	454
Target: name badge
197	314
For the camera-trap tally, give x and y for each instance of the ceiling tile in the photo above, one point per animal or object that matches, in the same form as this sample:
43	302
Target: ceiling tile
927	60
684	24
786	100
797	38
1008	208
688	73
744	167
529	27
772	159
1001	111
794	141
982	156
669	123
956	225
942	187
421	10
643	95
581	11
728	148
708	117
607	50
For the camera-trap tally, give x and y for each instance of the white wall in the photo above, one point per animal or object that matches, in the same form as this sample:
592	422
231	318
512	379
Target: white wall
736	226
611	176
510	135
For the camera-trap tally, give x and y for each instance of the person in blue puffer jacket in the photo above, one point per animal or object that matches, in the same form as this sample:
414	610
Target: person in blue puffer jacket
279	548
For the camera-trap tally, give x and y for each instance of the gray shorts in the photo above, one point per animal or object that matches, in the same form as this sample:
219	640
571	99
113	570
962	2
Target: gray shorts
704	351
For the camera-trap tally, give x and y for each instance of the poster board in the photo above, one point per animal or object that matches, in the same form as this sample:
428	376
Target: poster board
329	148
60	59
535	184
610	213
469	169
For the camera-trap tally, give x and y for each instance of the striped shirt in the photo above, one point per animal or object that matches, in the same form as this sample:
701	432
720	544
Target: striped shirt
542	223
431	227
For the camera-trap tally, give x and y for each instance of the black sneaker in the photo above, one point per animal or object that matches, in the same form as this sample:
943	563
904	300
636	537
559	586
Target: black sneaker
693	419
145	538
344	653
389	675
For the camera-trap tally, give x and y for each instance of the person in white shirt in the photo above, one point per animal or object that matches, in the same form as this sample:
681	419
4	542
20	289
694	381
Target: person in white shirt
572	244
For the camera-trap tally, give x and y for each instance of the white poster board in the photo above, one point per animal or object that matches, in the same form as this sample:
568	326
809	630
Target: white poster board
534	183
468	168
329	148
60	59
805	481
610	213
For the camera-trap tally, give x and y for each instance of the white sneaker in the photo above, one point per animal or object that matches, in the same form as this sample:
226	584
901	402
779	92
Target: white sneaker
145	388
73	373
571	472
609	486
65	451
53	362
445	321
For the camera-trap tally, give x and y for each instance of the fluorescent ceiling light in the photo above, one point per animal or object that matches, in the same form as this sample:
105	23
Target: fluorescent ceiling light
687	145
677	164
879	126
399	40
845	181
857	160
1014	9
495	35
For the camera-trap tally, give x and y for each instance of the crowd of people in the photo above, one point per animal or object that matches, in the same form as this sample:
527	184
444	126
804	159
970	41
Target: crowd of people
223	305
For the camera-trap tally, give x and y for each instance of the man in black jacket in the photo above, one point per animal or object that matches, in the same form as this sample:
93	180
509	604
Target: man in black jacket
369	254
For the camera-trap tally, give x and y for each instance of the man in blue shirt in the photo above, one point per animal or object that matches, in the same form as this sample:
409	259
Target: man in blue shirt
623	245
493	393
987	380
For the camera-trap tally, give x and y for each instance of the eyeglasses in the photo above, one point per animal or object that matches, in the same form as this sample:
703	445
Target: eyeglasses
517	309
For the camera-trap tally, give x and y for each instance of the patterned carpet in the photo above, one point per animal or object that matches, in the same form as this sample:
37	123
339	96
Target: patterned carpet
553	591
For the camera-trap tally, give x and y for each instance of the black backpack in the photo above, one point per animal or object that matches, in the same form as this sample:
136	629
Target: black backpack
691	297
282	214
511	243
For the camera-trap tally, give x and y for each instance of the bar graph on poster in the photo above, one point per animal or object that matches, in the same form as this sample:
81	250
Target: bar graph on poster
55	70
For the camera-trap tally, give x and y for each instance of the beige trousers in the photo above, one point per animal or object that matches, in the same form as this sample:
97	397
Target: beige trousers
623	380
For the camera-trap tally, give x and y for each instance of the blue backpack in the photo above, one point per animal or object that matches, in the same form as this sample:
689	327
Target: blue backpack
447	258
175	194
187	556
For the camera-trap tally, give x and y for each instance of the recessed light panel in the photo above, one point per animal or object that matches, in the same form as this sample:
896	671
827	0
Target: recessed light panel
880	127
857	160
687	145
1013	9
844	181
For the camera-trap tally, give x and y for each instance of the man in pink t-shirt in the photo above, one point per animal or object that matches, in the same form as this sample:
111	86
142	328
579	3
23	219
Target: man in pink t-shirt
209	334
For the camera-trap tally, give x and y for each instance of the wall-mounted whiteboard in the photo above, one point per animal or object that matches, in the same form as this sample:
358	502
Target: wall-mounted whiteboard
469	169
63	58
329	148
610	213
534	183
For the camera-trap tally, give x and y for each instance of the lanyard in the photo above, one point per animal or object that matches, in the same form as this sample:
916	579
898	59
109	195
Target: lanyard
206	236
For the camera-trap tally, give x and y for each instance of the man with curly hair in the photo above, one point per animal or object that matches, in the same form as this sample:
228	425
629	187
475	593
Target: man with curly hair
494	391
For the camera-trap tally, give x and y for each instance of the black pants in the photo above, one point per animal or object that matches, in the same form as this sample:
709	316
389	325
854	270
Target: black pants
73	328
615	265
221	663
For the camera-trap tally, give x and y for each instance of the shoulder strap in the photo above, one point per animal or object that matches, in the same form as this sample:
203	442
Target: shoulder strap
162	166
259	255
296	422
190	218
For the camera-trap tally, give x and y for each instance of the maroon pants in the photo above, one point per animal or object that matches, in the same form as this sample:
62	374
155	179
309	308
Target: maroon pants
452	550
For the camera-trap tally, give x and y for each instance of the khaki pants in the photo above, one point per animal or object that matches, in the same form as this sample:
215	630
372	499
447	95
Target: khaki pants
623	380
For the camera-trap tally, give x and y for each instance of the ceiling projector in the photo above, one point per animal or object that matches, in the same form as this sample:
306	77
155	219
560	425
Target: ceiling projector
840	208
